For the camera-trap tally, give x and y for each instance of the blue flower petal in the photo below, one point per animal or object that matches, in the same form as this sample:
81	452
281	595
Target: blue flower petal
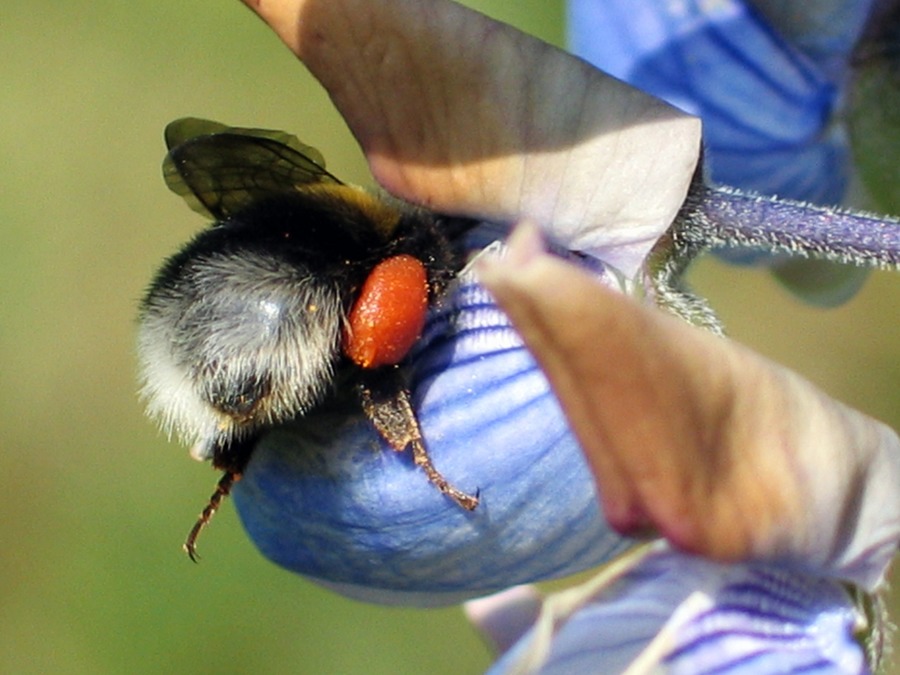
686	615
825	30
327	498
766	106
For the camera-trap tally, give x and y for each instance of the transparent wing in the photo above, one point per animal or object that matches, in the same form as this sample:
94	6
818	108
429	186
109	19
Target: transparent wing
219	170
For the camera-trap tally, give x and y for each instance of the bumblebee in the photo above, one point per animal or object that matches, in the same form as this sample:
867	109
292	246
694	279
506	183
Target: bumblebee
302	285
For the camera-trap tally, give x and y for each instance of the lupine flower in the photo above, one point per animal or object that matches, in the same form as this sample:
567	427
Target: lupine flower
745	483
664	612
774	86
787	493
767	79
482	136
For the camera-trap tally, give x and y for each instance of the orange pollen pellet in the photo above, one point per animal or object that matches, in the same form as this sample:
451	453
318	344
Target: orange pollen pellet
388	315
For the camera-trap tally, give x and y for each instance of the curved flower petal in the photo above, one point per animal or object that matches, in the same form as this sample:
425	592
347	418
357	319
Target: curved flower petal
327	498
765	105
679	424
724	453
766	78
462	114
503	618
676	614
825	30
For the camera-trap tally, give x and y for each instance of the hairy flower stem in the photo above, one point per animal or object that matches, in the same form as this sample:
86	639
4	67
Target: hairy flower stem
724	217
717	217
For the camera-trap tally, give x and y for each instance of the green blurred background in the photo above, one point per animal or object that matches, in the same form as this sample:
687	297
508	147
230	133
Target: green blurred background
95	503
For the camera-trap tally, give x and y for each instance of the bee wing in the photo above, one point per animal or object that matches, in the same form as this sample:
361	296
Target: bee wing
219	170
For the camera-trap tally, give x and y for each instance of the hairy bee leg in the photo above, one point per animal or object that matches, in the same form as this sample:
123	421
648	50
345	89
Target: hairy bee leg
421	458
390	411
223	489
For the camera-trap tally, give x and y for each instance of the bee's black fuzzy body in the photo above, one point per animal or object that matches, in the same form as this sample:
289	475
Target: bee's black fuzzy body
242	329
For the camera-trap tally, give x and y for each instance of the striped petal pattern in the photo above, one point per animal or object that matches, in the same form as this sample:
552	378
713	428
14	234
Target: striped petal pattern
676	614
769	79
825	30
766	105
327	498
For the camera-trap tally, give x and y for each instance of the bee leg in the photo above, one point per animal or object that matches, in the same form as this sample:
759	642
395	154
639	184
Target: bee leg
223	489
390	411
421	458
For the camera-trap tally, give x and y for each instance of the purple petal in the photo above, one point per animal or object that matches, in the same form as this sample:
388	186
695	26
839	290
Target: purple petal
678	614
503	618
766	78
325	496
468	116
825	30
765	105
